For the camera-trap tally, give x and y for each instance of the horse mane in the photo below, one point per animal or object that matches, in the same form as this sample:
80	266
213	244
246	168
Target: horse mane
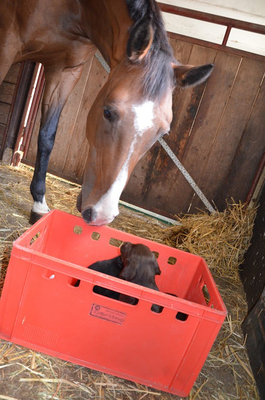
158	75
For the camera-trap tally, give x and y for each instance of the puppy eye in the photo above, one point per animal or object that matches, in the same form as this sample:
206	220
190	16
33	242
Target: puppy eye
109	114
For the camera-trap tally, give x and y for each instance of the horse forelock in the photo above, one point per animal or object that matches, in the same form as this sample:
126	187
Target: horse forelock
158	71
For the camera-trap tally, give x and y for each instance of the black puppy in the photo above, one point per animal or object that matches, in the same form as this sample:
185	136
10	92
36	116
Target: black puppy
136	264
112	267
140	267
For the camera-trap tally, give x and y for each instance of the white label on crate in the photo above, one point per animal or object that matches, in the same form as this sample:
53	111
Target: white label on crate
108	314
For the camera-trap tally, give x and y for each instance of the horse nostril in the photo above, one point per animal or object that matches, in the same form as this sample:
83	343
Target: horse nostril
87	215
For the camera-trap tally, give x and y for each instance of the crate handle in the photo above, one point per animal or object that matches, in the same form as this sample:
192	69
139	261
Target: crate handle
78	230
182	316
206	294
115	242
34	238
171	260
95	236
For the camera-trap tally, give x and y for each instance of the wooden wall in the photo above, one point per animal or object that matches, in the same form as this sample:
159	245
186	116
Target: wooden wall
7	90
217	133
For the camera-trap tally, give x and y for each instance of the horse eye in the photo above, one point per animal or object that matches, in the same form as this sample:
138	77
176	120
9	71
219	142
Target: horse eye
108	114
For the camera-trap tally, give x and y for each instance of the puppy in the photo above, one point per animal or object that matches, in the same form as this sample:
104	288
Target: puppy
112	267
140	267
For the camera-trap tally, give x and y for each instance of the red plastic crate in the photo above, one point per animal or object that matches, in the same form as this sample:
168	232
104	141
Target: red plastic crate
40	307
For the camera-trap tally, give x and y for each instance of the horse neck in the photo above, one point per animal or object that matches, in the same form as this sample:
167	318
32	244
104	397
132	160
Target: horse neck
106	24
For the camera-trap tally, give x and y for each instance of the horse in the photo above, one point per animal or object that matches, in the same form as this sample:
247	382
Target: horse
133	109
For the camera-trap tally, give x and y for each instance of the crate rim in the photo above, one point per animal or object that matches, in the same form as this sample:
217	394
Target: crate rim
83	273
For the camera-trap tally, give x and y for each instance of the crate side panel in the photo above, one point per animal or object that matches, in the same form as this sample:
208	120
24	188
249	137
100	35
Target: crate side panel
77	322
196	355
12	292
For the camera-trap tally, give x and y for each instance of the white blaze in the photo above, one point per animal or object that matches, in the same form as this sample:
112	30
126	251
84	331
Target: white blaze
144	115
107	207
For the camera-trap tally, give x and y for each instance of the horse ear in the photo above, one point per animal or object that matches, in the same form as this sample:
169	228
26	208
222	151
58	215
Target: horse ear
140	40
188	75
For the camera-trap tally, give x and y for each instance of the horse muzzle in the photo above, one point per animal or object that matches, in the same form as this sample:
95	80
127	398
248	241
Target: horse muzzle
100	214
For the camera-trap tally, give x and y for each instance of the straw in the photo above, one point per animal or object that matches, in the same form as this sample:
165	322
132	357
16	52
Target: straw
221	238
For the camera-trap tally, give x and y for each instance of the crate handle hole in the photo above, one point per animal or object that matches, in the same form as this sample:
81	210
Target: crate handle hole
182	316
157	309
112	294
74	282
172	260
206	294
95	236
156	254
128	299
34	238
115	242
78	230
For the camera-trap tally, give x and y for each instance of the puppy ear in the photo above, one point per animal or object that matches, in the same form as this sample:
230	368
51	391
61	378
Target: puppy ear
156	268
124	248
128	273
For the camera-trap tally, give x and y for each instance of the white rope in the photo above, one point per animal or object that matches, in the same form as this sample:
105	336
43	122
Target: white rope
102	61
186	175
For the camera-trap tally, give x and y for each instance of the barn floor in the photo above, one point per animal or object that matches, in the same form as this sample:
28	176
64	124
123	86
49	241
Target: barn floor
29	375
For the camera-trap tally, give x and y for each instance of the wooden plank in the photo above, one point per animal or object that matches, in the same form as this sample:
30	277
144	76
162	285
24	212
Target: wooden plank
77	152
218	47
230	130
2	131
12	75
4	110
248	153
7	91
207	121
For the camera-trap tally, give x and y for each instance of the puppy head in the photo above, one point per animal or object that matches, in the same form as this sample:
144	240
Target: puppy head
139	262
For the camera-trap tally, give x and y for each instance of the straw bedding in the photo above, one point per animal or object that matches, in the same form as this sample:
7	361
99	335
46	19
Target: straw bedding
221	238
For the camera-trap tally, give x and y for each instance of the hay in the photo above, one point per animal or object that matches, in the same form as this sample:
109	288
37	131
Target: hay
221	239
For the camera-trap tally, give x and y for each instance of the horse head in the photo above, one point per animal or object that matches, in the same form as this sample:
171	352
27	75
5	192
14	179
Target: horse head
131	112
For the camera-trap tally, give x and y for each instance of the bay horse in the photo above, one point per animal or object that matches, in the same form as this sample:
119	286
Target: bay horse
132	110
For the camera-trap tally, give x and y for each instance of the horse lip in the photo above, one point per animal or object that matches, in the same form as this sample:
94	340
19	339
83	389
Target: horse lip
99	221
